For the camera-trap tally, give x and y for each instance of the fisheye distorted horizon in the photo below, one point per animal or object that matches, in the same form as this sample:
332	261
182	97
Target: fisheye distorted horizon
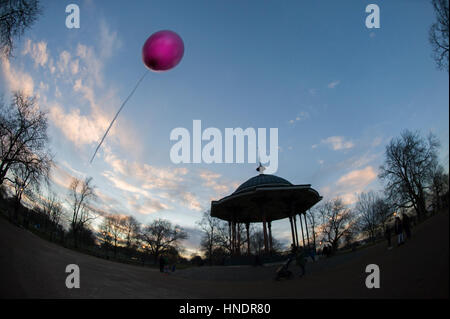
336	91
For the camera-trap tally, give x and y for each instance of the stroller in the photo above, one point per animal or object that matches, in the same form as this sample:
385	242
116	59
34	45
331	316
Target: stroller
283	271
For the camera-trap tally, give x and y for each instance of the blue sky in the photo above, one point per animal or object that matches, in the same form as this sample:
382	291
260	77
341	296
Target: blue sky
336	91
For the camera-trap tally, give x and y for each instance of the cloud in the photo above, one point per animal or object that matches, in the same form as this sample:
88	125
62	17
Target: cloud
109	41
63	62
37	51
300	117
168	183
61	176
358	178
148	206
150	177
354	182
124	185
338	143
77	128
377	141
191	245
333	84
211	180
17	80
191	201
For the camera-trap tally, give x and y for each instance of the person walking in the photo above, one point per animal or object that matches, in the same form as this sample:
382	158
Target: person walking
399	230
162	264
166	265
407	225
387	234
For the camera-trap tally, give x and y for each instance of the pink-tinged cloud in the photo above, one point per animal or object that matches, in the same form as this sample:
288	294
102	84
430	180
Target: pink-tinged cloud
338	143
15	79
358	178
37	51
349	185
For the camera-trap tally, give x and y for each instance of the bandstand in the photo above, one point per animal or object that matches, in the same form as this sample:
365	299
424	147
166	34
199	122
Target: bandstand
263	199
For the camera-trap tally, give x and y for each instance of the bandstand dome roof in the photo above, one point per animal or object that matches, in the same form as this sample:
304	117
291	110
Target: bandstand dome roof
266	197
262	180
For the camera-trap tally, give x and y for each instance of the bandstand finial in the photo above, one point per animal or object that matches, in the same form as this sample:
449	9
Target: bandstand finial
260	168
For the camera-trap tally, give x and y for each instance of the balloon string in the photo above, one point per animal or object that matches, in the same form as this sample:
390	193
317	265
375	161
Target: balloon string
117	114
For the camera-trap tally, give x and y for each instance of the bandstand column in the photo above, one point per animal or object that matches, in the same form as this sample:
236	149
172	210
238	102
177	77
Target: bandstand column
265	235
292	231
301	226
235	238
306	226
238	238
231	237
233	234
295	227
247	228
270	236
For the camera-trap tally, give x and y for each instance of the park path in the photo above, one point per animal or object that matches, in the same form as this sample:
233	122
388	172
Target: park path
31	267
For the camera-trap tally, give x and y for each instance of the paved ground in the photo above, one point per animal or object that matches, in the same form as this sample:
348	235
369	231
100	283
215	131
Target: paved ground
31	267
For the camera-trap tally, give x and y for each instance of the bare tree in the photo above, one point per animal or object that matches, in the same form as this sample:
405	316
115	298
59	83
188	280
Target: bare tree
224	239
223	236
23	141
131	231
112	230
53	208
369	217
257	241
408	168
104	233
210	240
28	177
383	209
439	33
439	187
312	216
337	221
81	193
160	236
15	17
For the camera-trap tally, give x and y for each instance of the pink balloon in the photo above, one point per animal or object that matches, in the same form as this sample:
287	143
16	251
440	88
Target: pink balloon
162	51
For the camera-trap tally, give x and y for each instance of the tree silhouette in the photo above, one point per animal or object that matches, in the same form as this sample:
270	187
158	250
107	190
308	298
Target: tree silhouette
439	33
408	170
23	142
15	17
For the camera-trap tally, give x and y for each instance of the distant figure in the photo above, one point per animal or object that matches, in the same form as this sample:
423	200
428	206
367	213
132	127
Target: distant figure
329	250
398	230
166	264
162	263
407	225
387	234
325	251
